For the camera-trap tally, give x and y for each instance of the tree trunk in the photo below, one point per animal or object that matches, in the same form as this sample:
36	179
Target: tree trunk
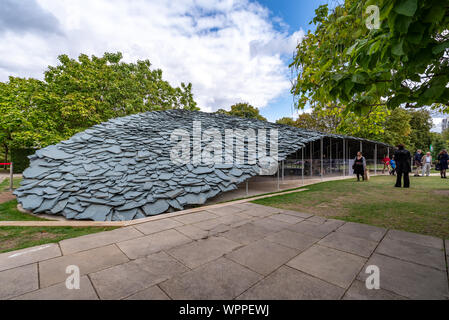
6	154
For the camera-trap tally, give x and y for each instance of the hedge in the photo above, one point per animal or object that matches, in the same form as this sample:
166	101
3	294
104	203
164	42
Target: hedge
19	157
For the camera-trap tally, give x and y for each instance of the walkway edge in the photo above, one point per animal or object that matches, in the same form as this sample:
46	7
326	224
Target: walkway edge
137	221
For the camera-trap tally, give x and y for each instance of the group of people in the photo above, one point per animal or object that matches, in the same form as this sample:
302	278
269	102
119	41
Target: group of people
424	163
400	164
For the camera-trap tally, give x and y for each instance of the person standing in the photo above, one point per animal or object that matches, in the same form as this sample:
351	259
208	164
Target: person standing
417	161
359	166
393	166
403	166
386	162
427	163
443	158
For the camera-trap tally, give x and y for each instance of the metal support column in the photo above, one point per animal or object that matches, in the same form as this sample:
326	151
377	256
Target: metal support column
283	170
302	165
344	158
330	155
11	177
321	155
361	149
246	187
311	147
375	159
278	176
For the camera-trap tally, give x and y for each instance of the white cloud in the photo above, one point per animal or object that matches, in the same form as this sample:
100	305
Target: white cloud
229	50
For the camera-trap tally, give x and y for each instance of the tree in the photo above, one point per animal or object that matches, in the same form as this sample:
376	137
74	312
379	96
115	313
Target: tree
24	121
420	124
243	110
403	62
438	144
77	94
88	91
397	128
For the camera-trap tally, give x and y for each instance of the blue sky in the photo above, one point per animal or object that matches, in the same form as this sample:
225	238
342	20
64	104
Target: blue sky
297	15
230	50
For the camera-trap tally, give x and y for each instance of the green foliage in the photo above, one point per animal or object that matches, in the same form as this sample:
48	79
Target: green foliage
243	110
404	62
77	94
438	144
19	157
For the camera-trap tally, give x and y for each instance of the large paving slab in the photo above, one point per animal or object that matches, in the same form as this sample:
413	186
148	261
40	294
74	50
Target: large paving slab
195	217
144	246
290	284
53	271
192	232
301	215
413	252
100	239
132	277
363	231
316	230
358	291
225	210
334	266
408	279
272	225
292	239
420	239
262	256
286	218
345	242
152	293
247	233
30	255
200	252
17	281
61	292
219	279
157	226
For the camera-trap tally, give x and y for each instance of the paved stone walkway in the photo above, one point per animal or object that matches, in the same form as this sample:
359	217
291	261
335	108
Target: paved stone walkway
240	251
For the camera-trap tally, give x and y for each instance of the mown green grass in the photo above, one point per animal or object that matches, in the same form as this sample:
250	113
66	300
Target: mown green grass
422	208
14	238
4	185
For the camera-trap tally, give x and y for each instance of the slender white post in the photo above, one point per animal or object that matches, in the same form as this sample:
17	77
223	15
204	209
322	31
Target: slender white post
246	187
321	155
375	159
11	182
344	158
278	177
302	165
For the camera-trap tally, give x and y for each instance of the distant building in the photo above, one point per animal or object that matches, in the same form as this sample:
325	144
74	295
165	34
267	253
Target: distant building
445	124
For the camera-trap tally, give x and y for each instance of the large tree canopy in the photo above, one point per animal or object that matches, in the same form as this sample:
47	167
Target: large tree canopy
77	94
243	110
405	61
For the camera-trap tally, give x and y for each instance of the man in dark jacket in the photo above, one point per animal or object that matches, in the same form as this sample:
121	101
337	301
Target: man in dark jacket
403	166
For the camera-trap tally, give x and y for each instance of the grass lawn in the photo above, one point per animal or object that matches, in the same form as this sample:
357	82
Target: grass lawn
423	208
4	185
14	238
